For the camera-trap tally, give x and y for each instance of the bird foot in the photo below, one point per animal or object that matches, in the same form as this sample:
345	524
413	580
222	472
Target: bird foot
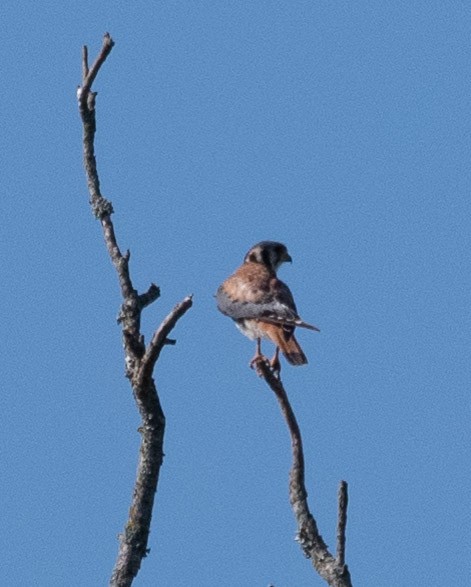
256	361
274	365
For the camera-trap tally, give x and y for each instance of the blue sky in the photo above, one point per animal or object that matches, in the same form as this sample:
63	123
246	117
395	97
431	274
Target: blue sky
341	129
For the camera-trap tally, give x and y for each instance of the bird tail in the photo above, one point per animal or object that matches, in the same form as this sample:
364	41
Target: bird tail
303	324
287	343
292	351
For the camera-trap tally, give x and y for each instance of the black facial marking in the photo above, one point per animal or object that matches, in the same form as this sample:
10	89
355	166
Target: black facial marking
266	257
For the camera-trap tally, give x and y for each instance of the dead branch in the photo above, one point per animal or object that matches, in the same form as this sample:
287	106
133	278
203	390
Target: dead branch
333	570
342	500
139	359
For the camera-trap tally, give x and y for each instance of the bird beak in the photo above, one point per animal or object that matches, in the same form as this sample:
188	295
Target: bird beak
287	258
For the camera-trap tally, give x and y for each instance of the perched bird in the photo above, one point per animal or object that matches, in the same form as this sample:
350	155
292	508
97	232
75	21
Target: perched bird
261	305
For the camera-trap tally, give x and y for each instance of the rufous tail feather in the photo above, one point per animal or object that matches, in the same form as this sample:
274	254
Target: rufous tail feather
287	344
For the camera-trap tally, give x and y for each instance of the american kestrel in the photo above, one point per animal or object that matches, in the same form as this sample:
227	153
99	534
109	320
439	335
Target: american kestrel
261	305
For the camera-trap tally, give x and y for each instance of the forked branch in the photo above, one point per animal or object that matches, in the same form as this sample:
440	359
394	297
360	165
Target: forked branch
139	359
332	569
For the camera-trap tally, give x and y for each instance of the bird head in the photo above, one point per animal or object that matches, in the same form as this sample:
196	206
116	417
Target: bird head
268	253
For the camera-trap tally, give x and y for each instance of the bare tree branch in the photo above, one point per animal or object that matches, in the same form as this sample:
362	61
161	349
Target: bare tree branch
149	296
89	75
159	340
334	571
140	361
342	521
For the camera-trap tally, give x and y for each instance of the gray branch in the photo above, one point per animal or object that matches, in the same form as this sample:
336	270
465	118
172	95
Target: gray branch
160	339
333	570
140	361
342	521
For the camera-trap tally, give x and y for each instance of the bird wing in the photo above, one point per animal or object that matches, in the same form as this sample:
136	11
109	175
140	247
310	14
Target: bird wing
283	308
271	302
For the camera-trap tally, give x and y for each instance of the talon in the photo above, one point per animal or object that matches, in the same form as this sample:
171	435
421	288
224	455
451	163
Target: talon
257	359
256	362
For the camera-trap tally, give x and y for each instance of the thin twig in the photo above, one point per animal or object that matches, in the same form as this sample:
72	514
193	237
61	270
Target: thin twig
86	100
159	340
84	63
308	536
342	521
89	75
140	361
149	296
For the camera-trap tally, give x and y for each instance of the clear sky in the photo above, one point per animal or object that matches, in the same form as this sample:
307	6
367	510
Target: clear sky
339	128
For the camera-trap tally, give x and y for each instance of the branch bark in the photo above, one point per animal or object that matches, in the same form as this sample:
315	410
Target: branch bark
332	569
139	359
